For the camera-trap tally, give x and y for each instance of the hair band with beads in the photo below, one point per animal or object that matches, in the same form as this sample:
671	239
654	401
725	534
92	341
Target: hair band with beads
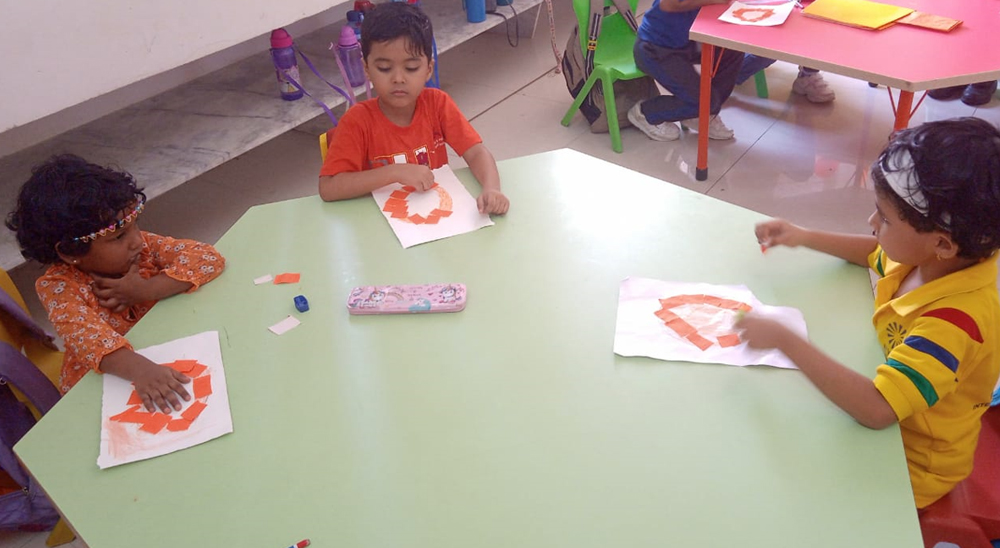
111	228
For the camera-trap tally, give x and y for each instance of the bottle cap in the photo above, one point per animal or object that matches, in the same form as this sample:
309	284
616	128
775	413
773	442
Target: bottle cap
347	37
280	39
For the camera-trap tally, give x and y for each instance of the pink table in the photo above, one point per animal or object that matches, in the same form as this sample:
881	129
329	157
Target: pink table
901	56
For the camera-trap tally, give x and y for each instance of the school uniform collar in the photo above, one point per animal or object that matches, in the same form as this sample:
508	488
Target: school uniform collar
975	277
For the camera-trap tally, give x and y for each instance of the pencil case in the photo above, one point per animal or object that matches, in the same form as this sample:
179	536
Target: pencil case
406	299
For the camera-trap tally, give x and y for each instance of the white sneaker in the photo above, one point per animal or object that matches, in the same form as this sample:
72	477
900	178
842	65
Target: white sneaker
666	131
716	128
814	87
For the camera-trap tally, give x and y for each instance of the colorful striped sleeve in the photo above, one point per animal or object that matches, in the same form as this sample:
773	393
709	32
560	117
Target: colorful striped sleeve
876	261
927	365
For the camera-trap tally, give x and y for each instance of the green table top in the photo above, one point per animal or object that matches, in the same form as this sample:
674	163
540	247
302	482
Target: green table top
511	423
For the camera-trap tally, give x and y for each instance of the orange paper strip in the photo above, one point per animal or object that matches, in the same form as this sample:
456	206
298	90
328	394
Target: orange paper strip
398	194
726	341
191	413
132	414
156	422
416	219
699	341
178	425
202	386
196	370
182	365
287	278
134	399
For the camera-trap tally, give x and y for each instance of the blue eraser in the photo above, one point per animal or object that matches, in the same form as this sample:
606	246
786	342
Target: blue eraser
301	304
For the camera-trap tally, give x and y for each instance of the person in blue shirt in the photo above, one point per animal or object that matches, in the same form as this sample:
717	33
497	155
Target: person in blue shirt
664	51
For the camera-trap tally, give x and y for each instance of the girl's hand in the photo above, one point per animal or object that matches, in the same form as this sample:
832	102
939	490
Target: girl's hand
778	232
118	294
159	387
762	333
492	202
418	176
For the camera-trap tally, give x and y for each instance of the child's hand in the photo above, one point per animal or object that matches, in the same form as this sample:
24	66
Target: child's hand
159	386
118	294
492	202
418	176
778	232
760	332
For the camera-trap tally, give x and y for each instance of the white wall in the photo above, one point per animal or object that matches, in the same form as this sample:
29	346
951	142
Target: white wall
58	53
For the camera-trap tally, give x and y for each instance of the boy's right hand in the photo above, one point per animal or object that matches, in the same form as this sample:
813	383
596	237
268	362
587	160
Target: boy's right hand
778	232
418	176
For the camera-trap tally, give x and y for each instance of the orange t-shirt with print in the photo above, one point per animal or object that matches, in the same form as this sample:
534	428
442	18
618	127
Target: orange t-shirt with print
365	139
91	331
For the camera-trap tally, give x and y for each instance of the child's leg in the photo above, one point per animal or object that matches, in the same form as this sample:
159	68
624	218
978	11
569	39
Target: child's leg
672	69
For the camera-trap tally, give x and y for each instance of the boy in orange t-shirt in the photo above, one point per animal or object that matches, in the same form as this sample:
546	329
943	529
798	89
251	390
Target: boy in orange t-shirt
400	136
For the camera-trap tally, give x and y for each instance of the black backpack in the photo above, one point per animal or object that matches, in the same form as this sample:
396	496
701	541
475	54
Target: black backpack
577	66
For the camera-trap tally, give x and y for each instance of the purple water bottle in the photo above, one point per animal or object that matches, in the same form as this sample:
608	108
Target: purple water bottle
349	57
285	66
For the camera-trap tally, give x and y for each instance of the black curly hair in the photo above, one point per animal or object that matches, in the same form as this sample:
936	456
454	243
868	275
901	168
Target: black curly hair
386	22
65	198
956	166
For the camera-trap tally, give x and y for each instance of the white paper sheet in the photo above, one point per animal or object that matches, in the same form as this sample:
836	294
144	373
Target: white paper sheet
124	442
760	14
703	316
419	217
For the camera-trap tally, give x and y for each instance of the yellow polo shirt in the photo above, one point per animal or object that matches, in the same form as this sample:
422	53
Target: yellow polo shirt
940	343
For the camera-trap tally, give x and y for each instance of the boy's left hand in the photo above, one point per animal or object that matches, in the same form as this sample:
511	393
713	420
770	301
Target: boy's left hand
492	202
118	294
760	332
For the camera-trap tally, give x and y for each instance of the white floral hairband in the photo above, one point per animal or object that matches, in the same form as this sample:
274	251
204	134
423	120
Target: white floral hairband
115	225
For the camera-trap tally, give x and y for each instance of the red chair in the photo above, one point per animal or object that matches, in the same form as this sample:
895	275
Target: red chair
969	515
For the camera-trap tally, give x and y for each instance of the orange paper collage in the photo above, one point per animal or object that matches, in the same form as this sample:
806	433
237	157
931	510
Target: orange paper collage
398	206
156	422
691	333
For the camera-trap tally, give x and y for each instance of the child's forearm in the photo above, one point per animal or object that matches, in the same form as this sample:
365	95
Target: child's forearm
848	389
162	286
483	166
354	184
853	248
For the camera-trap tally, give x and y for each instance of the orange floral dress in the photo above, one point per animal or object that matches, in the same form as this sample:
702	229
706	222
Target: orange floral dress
91	331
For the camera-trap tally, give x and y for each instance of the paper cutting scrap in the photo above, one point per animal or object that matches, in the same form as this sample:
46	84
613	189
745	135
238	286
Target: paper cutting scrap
287	278
284	326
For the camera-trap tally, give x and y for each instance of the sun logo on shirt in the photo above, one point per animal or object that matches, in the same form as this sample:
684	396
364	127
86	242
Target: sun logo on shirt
895	334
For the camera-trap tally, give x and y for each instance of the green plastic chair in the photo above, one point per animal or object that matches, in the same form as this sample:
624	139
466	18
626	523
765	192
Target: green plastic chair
613	61
760	81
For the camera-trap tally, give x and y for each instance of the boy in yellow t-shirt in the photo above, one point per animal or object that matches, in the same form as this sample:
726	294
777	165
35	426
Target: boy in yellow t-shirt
935	232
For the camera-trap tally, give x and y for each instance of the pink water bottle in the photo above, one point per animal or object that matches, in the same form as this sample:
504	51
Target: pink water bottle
349	58
285	67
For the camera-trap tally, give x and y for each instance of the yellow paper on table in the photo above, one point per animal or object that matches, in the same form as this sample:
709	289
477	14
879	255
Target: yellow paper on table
857	13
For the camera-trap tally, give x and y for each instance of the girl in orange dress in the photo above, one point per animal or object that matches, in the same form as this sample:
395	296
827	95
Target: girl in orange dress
105	274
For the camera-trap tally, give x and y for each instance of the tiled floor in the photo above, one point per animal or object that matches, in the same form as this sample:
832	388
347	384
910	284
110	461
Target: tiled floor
790	158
